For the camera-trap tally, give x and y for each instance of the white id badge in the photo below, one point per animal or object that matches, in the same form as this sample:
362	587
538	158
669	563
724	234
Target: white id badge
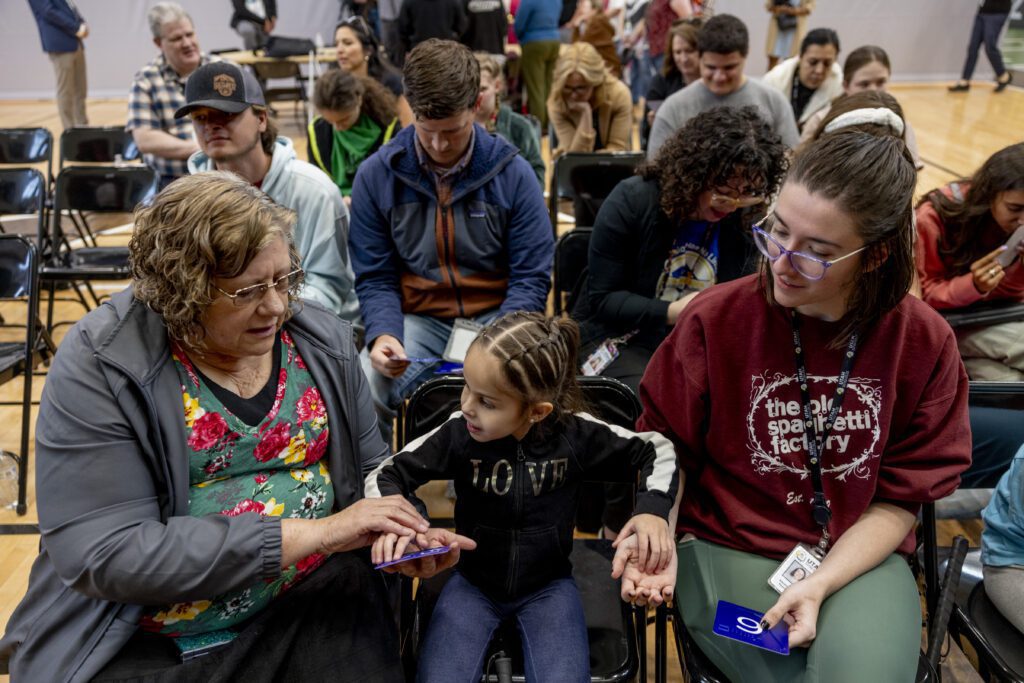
463	333
798	565
600	359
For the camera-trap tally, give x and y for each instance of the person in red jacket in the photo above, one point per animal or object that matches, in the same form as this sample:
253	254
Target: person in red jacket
814	407
961	232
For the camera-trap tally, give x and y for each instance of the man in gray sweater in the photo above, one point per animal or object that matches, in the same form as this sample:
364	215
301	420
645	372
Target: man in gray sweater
722	44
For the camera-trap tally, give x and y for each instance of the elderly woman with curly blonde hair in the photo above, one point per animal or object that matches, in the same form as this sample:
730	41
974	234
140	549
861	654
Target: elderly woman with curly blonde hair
201	443
590	109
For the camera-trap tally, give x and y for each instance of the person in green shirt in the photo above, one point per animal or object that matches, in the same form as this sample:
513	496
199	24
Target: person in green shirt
357	116
499	118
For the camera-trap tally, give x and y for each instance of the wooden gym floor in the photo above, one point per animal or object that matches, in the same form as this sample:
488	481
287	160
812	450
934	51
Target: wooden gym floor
955	132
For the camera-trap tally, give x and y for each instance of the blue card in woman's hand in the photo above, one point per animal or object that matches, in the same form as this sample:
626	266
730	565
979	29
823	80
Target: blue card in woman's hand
744	624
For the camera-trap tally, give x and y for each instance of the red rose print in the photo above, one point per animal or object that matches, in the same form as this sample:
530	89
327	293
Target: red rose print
315	450
207	431
310	406
309	562
243	506
273	442
261	478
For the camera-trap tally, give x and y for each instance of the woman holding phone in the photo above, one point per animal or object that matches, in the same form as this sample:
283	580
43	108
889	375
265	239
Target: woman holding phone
969	251
814	407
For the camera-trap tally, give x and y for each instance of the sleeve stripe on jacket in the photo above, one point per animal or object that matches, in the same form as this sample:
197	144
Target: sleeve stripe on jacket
370	486
662	476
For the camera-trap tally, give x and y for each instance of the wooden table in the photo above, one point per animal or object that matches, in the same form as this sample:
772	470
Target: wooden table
324	55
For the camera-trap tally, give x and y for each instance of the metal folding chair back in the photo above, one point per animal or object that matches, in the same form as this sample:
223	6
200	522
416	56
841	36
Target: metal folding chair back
588	178
572	253
19	280
27	146
97	145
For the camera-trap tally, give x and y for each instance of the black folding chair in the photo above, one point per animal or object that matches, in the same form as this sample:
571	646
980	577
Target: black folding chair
571	255
97	145
106	145
997	645
23	192
587	178
617	652
27	146
282	69
994	646
987	313
19	283
99	189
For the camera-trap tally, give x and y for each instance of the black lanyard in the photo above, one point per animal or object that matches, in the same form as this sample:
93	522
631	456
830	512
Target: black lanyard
815	448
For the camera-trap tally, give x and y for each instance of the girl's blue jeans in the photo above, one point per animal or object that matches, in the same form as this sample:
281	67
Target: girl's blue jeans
550	623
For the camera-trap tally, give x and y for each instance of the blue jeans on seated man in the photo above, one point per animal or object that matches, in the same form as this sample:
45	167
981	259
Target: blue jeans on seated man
550	622
424	337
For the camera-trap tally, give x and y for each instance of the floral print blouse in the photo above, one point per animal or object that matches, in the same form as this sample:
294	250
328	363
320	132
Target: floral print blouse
274	469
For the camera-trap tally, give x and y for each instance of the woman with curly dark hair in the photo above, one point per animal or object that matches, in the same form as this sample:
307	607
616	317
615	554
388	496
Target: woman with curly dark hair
357	116
672	231
961	229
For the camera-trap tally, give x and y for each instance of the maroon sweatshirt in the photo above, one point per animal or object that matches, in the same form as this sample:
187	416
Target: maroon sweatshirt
723	388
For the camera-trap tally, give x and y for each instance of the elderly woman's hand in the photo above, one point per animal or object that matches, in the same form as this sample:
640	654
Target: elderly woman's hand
360	523
354	527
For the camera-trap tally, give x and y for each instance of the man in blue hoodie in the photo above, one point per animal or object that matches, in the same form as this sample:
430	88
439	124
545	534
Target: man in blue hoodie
235	133
448	222
61	30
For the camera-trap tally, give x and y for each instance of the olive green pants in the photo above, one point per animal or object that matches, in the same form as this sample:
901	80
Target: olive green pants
868	631
537	67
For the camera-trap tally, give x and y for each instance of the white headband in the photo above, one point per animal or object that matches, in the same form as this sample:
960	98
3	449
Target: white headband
879	115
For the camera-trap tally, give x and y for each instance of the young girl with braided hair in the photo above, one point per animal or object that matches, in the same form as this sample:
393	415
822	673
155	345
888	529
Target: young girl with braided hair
518	451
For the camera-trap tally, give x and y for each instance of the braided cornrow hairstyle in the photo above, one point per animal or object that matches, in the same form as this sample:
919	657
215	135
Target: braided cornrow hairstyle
539	358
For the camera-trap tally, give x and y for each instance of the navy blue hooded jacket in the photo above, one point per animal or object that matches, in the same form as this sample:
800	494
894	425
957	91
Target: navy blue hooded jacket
491	246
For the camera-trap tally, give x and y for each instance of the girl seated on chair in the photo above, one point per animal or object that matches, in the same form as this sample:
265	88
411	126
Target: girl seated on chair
518	452
961	230
814	403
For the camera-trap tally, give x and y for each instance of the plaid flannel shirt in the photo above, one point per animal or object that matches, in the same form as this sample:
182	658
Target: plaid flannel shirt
157	92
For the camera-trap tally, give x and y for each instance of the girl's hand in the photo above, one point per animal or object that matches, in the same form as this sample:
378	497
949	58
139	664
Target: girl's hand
654	542
640	587
426	567
389	547
798	606
986	271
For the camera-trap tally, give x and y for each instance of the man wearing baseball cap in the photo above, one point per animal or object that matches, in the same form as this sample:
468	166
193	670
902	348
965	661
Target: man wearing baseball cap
235	133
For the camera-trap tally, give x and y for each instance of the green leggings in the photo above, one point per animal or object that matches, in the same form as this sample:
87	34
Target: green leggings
868	631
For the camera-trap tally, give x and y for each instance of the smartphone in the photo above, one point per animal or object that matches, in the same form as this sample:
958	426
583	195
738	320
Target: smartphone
1007	258
429	552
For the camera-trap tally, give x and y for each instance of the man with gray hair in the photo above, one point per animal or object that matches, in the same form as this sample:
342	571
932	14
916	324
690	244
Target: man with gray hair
158	91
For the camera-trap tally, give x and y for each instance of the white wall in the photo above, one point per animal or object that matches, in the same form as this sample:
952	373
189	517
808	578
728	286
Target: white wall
926	39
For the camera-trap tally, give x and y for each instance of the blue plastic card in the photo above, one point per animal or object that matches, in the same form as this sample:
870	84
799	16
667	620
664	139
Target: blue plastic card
427	359
744	624
449	369
440	550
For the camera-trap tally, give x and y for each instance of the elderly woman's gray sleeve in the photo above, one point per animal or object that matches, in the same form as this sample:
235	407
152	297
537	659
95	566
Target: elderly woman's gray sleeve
100	494
372	448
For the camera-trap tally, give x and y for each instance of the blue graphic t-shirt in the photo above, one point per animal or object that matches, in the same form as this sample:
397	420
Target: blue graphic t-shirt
692	263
